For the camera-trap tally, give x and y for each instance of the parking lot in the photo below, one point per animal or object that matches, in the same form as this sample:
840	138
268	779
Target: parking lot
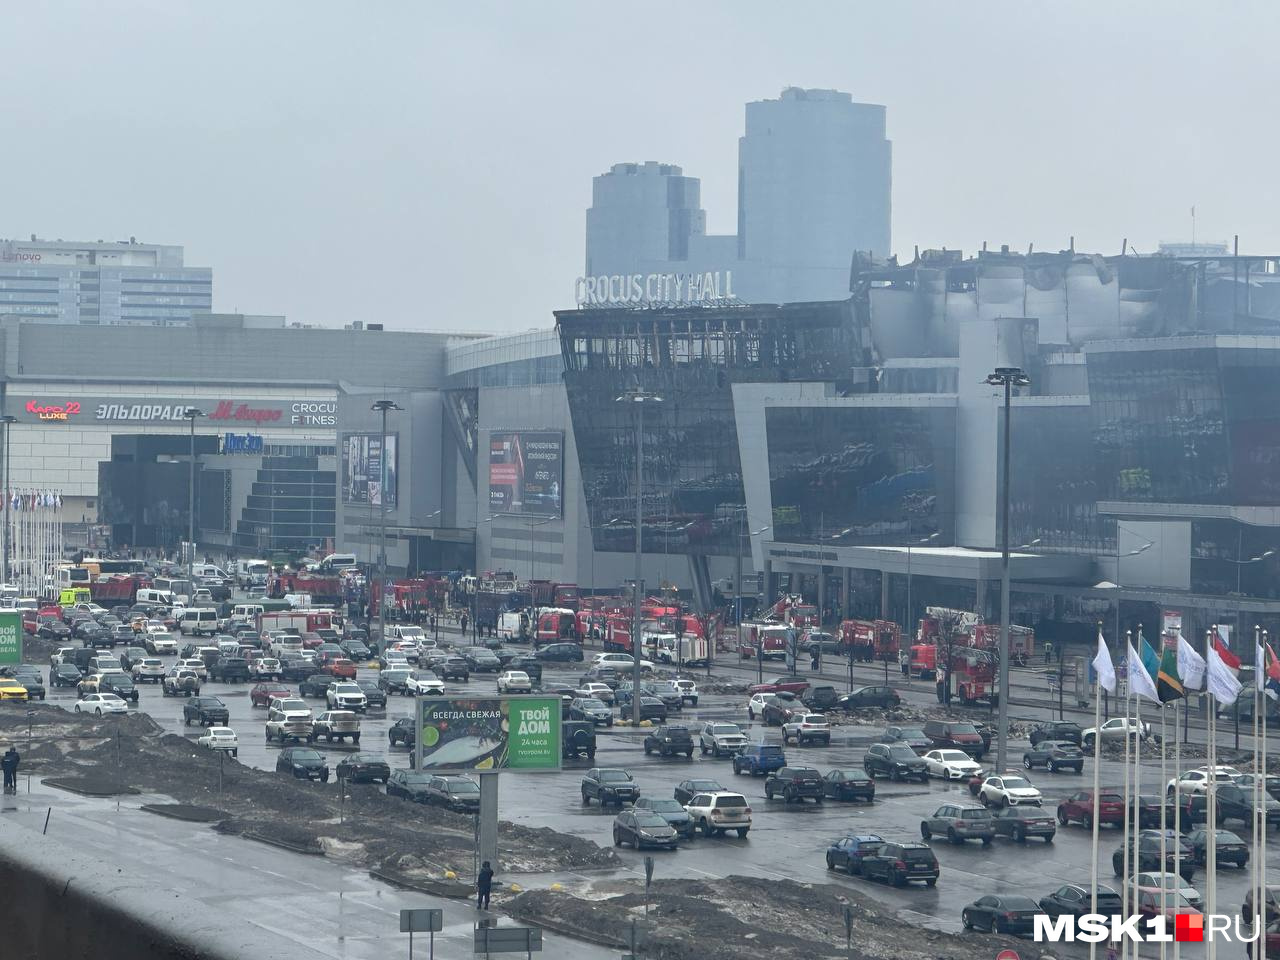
786	840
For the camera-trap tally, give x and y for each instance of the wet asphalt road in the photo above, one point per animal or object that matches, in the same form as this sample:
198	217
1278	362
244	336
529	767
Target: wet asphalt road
786	841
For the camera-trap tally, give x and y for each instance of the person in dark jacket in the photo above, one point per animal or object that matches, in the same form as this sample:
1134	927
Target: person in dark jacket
484	884
9	764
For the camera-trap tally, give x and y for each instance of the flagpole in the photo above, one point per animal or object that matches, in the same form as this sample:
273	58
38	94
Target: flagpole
1211	809
1097	808
1260	833
1177	801
1164	778
1137	792
1257	851
1128	714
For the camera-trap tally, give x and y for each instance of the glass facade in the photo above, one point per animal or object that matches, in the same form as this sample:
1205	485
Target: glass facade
849	475
691	358
110	295
1235	559
291	506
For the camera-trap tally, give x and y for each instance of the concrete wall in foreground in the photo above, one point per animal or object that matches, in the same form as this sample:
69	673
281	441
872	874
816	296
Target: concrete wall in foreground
55	902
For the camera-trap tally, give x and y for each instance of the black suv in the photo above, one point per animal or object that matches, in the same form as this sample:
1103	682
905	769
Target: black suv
1054	755
668	740
578	738
900	863
529	665
65	675
402	731
560	652
820	698
316	685
609	785
305	763
794	783
454	668
897	761
230	670
1233	804
457	793
779	708
1067	730
205	711
121	684
30	678
1147	857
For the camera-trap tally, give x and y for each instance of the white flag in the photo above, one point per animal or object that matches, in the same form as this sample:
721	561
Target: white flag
1190	665
1103	667
1141	683
1222	680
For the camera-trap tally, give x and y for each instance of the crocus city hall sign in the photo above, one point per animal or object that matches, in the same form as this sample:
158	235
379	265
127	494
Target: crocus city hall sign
653	288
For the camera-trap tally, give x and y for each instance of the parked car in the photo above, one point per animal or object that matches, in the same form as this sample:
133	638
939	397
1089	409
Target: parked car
671	811
394	680
316	685
959	822
230	670
1144	854
951	764
864	698
1230	848
1054	755
687	789
458	793
148	670
1075	900
1020	823
669	740
643	828
688	690
759	758
897	761
560	653
651	708
526	662
847	852
913	737
347	695
364	768
1232	804
374	695
261	694
1080	807
781	707
65	675
514	681
1153	880
757	703
1058	730
305	763
1197	781
955	735
424	683
848	785
454	668
100	703
1271	784
339	725
1149	807
1114	731
720	738
221	738
786	684
1003	913
901	863
1008	790
807	728
823	697
121	684
794	784
609	785
180	682
408	785
714	813
578	739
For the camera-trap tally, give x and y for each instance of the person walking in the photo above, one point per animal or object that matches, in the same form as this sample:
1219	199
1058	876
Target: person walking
484	885
9	763
463	621
1048	651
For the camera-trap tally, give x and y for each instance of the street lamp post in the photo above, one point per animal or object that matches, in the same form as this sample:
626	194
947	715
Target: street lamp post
638	398
383	407
1007	377
929	539
8	420
191	413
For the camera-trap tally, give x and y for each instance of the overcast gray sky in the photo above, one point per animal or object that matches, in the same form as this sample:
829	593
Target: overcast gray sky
428	165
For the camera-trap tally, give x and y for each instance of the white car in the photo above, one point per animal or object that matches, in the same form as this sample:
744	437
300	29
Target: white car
159	643
755	706
422	682
1114	730
620	661
807	728
61	655
346	695
1197	781
688	689
714	813
196	665
148	670
514	681
1010	790
101	703
1170	881
221	738
265	668
951	764
596	691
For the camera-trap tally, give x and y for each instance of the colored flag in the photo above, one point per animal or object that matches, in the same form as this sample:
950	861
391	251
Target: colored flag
1229	659
1168	683
1150	659
1190	665
1267	667
1141	682
1223	684
1103	666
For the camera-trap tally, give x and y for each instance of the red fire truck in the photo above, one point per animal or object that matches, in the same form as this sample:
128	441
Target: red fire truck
320	589
769	638
871	639
545	593
556	624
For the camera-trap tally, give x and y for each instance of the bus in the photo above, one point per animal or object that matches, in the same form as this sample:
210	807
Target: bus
98	567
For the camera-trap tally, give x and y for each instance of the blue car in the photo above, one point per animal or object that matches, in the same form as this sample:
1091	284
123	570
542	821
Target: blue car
758	759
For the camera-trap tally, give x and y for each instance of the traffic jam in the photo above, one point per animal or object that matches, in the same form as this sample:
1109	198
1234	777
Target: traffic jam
778	749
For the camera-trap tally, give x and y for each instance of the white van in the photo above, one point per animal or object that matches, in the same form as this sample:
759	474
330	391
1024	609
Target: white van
298	600
162	597
208	570
247	612
339	561
198	620
511	626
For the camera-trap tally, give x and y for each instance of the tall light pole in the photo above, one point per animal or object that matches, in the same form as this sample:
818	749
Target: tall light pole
638	399
907	626
1007	377
191	413
383	407
8	420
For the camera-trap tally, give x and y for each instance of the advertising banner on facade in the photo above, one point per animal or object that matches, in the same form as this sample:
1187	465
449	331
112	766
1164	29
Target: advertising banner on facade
11	640
526	473
488	733
231	412
362	473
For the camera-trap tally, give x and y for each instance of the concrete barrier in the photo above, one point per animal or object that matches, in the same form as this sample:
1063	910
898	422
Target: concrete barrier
57	902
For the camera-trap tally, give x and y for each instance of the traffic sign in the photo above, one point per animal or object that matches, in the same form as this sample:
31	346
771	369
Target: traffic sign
421	921
508	940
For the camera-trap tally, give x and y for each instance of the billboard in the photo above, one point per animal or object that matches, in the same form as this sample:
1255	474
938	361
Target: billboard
526	473
362	469
488	733
228	411
11	640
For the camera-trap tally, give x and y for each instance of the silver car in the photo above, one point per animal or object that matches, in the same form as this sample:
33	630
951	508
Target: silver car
959	822
721	739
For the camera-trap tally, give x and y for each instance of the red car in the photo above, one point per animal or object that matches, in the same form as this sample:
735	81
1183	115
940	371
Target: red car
261	694
340	667
311	640
795	685
1080	807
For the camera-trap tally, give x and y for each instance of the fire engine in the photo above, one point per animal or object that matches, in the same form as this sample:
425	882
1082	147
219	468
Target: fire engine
769	638
556	624
544	593
871	639
974	648
322	590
